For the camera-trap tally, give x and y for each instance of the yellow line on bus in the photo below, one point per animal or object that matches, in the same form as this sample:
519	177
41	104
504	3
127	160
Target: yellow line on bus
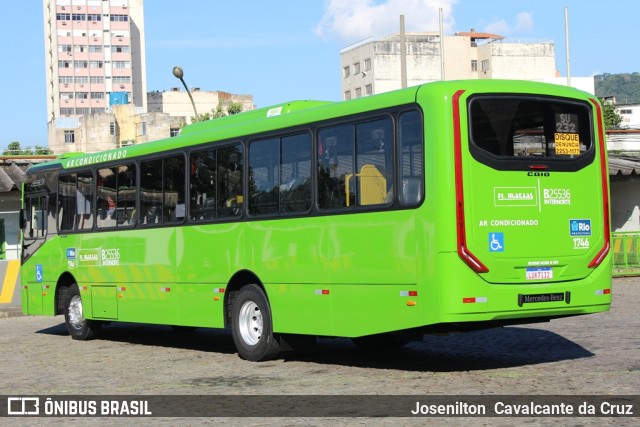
9	284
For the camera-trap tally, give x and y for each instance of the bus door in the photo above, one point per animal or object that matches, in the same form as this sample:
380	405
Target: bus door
34	234
532	187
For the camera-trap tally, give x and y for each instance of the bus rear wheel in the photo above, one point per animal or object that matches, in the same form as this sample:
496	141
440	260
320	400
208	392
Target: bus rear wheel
79	328
251	325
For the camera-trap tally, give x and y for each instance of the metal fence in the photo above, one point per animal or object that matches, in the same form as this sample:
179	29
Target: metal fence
626	253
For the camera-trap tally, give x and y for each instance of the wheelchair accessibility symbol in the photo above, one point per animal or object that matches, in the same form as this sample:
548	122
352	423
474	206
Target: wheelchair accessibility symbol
496	242
39	273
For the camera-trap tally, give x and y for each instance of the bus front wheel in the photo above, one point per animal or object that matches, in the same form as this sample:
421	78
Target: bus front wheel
79	328
252	327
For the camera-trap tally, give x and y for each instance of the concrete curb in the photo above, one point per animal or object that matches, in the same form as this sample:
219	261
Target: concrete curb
10	311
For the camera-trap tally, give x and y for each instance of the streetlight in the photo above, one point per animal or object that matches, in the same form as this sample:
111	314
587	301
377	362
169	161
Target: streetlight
179	73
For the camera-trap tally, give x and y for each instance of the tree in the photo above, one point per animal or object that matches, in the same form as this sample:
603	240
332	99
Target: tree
610	115
223	109
14	149
43	150
234	108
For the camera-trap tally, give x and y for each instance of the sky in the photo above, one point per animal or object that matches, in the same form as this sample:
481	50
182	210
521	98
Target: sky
283	50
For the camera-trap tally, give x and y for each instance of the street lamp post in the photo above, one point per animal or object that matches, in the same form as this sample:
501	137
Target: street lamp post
179	73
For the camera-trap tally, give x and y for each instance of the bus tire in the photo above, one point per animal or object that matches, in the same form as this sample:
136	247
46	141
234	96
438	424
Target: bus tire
251	325
79	328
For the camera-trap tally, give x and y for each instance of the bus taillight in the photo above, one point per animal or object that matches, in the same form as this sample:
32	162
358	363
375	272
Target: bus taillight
463	251
604	173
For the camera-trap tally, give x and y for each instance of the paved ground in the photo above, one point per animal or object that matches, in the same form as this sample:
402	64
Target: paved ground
596	354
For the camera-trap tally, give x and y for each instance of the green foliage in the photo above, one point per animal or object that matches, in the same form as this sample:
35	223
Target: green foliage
223	109
610	115
14	149
234	108
625	87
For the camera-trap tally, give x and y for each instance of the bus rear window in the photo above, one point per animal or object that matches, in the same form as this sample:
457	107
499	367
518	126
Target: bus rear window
522	127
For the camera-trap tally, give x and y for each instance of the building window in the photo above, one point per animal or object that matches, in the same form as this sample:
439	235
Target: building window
78	17
80	64
485	65
82	79
347	95
95	49
143	128
82	95
95	64
69	137
66	95
119	18
368	90
82	111
66	111
96	79
356	68
121	64
121	79
174	132
97	95
474	66
65	79
63	16
112	128
367	64
64	64
64	48
94	17
626	111
346	71
358	92
120	49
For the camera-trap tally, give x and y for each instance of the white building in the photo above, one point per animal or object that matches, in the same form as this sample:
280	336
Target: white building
374	65
176	102
630	115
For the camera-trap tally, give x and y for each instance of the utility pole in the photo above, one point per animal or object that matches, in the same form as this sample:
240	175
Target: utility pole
403	55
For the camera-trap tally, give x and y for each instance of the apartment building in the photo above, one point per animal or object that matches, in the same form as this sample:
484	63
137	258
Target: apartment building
94	50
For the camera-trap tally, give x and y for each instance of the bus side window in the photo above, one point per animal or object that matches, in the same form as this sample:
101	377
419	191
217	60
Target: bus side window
295	183
355	164
216	183
202	185
335	163
229	181
151	192
106	197
374	166
84	201
173	186
411	169
67	185
35	217
264	167
126	195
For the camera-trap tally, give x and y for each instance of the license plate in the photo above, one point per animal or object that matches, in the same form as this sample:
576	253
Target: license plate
539	273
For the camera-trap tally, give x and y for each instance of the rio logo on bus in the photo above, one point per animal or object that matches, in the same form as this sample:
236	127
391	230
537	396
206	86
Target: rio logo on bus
580	227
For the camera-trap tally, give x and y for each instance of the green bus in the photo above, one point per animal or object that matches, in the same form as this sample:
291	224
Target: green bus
449	206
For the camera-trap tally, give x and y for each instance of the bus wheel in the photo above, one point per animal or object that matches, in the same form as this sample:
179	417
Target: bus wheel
251	325
79	328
